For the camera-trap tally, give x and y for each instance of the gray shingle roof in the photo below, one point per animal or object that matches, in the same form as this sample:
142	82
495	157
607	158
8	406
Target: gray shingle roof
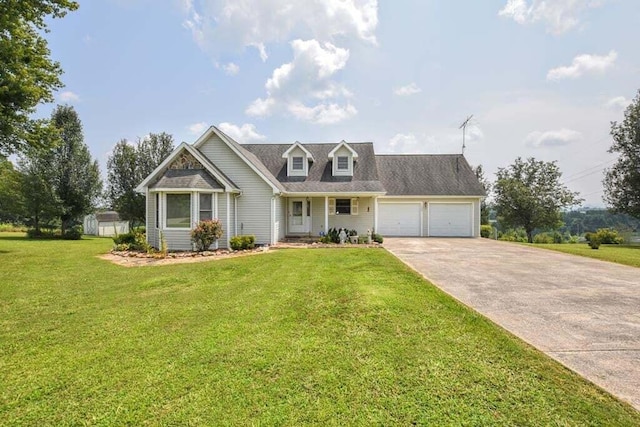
320	178
107	216
428	174
187	178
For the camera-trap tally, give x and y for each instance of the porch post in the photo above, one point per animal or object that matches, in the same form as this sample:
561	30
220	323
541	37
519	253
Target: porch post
227	225
326	214
375	214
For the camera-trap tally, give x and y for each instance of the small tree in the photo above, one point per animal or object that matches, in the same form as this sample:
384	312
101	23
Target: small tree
622	181
127	166
11	200
529	195
206	233
75	175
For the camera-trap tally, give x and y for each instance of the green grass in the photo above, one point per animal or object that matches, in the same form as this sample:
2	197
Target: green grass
292	337
621	254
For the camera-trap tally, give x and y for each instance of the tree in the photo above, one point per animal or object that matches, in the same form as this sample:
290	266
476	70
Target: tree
622	181
11	201
27	75
41	203
484	206
76	176
529	195
128	166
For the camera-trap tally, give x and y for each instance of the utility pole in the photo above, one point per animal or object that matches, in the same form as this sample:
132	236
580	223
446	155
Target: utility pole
463	126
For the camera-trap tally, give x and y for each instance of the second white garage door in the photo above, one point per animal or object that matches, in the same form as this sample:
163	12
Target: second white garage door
399	219
450	219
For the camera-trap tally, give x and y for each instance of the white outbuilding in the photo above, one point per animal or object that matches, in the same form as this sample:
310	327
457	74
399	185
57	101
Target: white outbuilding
105	224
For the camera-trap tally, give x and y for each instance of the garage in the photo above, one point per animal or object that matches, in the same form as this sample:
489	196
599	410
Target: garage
399	219
450	219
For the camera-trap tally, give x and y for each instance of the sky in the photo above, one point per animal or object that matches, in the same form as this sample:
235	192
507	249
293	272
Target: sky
540	78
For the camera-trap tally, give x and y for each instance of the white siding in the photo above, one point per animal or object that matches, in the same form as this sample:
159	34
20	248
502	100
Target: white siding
254	213
361	222
152	232
178	240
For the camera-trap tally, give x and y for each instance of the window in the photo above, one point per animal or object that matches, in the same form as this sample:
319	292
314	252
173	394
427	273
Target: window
157	210
343	163
179	210
297	163
206	206
343	206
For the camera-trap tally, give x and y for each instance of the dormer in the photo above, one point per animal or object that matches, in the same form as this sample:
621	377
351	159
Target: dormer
343	157
298	159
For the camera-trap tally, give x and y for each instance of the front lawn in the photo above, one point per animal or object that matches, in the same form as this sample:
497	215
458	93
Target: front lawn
291	337
621	254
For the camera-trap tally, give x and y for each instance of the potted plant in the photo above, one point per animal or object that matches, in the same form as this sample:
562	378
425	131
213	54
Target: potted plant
353	236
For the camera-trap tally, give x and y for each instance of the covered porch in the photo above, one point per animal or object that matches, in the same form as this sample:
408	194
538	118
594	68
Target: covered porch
312	215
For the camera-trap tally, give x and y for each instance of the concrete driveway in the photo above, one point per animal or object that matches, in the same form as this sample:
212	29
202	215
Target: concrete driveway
582	312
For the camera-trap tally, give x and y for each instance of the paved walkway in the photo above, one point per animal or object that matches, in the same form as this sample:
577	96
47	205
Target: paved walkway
582	312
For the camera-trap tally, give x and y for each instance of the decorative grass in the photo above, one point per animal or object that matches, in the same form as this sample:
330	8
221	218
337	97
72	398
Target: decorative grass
291	337
621	254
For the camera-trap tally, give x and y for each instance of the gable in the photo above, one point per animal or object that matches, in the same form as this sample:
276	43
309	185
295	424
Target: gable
185	157
219	147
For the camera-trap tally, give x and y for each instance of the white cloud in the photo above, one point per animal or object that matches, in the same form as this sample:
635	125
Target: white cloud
322	113
559	16
231	69
237	24
304	87
552	138
198	128
617	103
68	96
245	133
405	143
410	89
584	64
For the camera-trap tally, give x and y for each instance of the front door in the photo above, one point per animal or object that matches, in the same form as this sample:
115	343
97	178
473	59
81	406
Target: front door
299	211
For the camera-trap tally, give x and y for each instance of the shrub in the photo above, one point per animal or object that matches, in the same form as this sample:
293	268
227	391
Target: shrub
32	233
243	242
557	237
73	233
594	242
352	233
12	227
133	241
573	239
125	238
512	235
206	233
377	238
543	238
486	231
608	236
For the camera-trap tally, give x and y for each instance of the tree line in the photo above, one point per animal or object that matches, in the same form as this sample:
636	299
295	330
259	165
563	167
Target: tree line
53	186
529	193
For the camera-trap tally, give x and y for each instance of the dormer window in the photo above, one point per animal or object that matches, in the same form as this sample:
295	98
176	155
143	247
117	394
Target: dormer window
343	158
298	159
297	163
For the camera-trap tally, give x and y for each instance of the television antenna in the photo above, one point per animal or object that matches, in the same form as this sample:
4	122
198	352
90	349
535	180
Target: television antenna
463	126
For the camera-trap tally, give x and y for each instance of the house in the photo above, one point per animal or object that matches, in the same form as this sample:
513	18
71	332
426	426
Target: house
105	224
278	190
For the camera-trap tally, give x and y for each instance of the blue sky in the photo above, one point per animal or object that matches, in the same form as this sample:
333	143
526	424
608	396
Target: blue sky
541	78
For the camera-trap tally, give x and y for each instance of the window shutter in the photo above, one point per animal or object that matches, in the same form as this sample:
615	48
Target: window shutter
354	206
332	206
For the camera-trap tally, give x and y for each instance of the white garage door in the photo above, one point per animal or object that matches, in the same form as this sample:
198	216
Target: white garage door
450	219
399	219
